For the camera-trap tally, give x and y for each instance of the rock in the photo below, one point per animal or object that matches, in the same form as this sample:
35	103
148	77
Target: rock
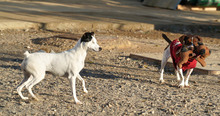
28	47
120	58
210	104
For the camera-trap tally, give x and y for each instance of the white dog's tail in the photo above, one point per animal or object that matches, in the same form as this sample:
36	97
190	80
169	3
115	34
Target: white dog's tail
26	54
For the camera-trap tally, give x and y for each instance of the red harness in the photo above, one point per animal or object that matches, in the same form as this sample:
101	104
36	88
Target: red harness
175	47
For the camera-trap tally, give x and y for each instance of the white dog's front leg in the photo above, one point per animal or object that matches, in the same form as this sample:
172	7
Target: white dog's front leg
189	71
83	83
181	74
73	87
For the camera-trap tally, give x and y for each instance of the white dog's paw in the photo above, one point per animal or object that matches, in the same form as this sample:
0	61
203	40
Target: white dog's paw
181	86
78	102
85	91
161	81
187	86
24	98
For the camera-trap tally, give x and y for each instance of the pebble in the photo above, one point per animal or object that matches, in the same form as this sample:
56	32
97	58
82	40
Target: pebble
128	59
210	104
22	103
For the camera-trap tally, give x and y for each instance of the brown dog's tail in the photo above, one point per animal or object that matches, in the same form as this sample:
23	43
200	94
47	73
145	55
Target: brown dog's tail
166	38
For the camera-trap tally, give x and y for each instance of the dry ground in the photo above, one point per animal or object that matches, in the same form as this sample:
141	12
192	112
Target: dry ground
117	84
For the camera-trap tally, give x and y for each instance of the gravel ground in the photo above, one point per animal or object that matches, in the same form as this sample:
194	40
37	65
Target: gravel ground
117	84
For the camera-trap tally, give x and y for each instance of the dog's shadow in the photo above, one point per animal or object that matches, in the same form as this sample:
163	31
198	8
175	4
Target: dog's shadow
11	67
114	75
17	60
56	40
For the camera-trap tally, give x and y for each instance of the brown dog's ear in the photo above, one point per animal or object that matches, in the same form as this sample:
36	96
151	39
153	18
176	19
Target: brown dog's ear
182	39
200	41
199	38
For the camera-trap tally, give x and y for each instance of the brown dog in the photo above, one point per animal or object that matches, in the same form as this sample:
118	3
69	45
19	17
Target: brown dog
189	40
183	56
203	52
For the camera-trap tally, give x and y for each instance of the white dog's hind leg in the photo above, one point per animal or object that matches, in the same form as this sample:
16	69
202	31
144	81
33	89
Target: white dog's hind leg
177	75
73	87
181	74
27	78
189	71
83	83
166	56
36	79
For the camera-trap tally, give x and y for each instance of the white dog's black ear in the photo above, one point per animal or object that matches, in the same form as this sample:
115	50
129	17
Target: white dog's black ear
87	37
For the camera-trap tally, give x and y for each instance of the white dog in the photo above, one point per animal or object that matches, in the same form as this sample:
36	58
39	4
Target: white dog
68	63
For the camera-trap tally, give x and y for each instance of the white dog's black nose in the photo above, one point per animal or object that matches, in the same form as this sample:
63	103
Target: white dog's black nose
100	48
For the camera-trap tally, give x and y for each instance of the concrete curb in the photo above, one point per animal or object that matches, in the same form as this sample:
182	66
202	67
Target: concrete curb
77	26
170	65
105	26
98	26
8	25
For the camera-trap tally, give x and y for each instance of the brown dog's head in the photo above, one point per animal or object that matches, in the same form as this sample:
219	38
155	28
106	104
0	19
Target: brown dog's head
203	51
190	41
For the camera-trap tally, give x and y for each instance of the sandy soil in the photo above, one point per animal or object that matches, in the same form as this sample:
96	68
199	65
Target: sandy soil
117	84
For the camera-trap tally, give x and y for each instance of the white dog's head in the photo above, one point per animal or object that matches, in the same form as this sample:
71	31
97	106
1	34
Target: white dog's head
88	40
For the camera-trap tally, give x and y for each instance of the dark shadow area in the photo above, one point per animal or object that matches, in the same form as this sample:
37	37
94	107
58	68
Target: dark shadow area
196	29
113	75
11	67
117	66
11	60
54	39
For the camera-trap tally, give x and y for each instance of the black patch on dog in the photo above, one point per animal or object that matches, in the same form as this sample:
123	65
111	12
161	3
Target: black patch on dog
186	40
87	37
184	49
202	52
200	43
190	55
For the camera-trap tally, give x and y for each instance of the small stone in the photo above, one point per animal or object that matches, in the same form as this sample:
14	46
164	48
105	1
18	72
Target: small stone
110	105
152	112
144	66
26	30
28	47
210	104
128	59
96	58
120	58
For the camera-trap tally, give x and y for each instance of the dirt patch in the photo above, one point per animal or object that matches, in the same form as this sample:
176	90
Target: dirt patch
117	84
